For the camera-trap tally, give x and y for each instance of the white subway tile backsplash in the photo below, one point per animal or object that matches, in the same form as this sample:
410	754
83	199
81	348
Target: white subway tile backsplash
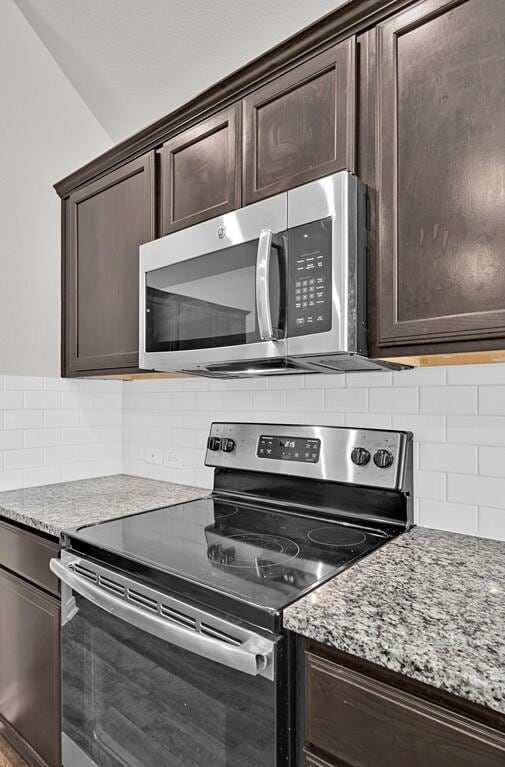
23	459
480	490
476	429
491	523
456	517
23	419
346	400
492	461
306	399
430	484
56	430
429	428
476	374
41	437
448	399
269	400
397	399
436	456
492	400
48	425
41	400
11	400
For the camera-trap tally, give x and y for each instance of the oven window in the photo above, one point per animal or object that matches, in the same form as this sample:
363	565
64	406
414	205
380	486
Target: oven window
209	301
132	700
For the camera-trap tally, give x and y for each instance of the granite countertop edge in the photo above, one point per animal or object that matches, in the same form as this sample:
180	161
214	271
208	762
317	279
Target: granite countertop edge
429	605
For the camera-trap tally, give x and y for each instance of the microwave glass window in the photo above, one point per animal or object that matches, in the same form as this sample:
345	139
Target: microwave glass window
208	301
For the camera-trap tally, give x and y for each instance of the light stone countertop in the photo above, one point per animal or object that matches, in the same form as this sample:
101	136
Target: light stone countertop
429	605
53	508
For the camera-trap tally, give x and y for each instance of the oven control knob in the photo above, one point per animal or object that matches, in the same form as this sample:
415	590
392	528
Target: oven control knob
360	456
383	458
227	444
213	443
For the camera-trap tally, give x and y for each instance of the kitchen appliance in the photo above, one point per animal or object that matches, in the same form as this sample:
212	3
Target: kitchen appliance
273	288
173	650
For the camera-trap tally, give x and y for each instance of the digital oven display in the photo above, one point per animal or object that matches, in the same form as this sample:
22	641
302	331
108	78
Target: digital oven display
289	448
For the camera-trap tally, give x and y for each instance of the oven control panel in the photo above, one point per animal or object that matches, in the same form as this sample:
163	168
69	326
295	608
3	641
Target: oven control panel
310	278
368	457
289	448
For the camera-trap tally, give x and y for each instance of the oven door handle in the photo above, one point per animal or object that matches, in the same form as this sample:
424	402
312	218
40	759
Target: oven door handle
263	285
254	656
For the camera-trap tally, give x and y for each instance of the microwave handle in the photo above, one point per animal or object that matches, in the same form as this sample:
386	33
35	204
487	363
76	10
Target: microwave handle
263	285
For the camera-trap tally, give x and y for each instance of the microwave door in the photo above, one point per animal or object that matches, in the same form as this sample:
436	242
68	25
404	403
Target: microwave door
214	293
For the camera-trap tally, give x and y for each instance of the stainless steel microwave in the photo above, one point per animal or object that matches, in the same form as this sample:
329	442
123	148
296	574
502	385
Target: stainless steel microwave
273	288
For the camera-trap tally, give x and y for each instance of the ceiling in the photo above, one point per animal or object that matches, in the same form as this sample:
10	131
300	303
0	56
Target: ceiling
133	61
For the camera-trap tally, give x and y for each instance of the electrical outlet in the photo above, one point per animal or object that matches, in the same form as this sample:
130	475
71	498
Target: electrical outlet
173	459
154	455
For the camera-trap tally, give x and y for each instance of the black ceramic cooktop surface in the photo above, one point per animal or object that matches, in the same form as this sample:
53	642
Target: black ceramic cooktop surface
258	555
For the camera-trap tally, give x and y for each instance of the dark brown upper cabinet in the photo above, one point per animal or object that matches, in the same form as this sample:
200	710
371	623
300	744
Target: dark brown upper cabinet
200	172
107	221
301	125
441	170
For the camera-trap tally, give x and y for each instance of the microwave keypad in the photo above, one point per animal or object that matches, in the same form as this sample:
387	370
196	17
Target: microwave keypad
310	258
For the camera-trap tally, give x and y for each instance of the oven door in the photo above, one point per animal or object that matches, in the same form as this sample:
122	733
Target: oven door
215	292
149	681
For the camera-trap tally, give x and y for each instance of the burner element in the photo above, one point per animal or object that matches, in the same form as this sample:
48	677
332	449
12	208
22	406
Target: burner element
253	550
336	536
223	511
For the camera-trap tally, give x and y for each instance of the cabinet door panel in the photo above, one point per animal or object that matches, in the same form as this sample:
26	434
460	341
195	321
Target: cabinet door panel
29	665
109	220
361	722
201	172
442	172
301	125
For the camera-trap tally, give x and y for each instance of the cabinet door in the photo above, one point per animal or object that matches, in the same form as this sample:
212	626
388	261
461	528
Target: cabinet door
108	220
301	126
360	722
29	666
200	172
441	173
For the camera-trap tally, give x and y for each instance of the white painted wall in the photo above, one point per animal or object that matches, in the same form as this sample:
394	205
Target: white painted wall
46	131
457	415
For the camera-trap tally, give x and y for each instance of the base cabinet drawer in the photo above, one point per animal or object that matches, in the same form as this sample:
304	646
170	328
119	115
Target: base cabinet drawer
360	722
28	555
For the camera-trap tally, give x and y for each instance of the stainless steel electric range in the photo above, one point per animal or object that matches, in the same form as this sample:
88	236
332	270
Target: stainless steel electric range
173	648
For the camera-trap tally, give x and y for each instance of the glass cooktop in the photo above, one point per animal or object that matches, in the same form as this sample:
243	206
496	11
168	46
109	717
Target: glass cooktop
261	556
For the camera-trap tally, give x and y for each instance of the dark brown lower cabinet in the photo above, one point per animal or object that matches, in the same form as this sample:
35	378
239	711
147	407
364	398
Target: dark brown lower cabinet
355	720
29	659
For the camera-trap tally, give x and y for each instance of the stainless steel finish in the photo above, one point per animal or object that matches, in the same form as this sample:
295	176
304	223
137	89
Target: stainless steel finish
167	618
263	285
238	227
335	464
340	197
336	197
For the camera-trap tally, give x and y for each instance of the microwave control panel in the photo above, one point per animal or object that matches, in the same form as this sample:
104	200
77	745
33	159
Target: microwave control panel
310	278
